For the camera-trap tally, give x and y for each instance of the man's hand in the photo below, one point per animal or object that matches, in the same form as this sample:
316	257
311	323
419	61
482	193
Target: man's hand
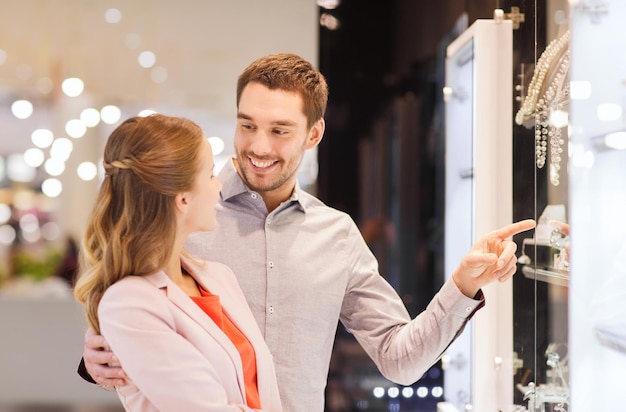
491	258
101	363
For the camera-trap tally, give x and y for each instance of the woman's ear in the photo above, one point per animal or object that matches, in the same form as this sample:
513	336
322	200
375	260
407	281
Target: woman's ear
180	202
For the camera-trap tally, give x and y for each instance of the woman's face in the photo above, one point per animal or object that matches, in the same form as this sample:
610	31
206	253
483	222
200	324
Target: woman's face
203	196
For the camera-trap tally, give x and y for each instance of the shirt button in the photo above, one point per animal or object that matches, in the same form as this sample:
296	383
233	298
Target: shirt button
469	309
253	195
271	309
270	264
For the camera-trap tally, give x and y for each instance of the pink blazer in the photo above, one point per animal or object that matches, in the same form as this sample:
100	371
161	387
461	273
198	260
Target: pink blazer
177	359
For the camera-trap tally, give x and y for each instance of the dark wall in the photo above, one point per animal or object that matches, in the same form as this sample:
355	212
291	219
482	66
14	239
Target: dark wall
382	69
369	61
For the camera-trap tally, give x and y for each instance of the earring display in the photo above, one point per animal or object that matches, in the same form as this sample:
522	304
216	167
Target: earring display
554	394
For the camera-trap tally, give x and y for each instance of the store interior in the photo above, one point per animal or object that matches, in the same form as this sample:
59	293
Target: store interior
396	71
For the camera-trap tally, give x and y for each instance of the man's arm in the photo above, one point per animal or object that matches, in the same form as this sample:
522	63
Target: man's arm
95	366
403	349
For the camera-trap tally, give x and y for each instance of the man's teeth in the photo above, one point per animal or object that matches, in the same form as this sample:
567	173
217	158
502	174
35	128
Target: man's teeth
261	164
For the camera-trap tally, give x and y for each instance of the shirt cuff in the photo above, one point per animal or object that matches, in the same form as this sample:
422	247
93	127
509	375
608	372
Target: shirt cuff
459	304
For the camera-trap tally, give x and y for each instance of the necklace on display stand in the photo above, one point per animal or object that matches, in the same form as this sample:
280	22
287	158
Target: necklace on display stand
546	104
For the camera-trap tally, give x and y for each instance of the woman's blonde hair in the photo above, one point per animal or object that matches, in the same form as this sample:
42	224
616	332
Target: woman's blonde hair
131	230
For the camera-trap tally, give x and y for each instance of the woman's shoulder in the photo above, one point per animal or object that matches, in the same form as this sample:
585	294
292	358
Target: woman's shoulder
135	286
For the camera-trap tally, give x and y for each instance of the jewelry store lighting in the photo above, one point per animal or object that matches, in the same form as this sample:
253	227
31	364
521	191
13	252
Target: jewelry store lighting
581	157
7	235
61	149
54	166
5	213
31	236
51	187
580	90
22	109
110	114
217	145
18	170
29	222
146	59
378	392
42	138
90	117
615	141
559	118
393	392
87	171
436	391
75	128
34	157
328	4
72	86
113	15
329	21
609	112
146	112
422	392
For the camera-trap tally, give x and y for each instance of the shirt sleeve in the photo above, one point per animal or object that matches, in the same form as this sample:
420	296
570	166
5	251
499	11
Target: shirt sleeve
82	371
402	348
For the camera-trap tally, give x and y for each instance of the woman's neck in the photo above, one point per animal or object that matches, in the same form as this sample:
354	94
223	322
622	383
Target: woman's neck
182	278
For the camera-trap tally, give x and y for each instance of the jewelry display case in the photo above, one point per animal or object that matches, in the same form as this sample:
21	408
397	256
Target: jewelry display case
478	109
566	308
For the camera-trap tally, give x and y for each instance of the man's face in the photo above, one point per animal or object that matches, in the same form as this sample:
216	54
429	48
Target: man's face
270	139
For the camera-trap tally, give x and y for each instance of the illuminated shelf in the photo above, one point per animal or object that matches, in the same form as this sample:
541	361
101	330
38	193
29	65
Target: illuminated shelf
545	275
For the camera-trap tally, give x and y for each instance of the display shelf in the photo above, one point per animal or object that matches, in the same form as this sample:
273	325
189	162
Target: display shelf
546	275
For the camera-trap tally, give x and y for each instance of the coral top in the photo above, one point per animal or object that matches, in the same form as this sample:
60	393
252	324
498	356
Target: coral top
210	304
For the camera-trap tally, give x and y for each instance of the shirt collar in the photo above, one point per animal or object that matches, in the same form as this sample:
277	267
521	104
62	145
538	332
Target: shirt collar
233	185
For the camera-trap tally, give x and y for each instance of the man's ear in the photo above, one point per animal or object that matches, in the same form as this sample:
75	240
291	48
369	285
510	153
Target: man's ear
315	134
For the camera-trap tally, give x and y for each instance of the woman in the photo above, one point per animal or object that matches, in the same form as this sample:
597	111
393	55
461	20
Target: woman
180	328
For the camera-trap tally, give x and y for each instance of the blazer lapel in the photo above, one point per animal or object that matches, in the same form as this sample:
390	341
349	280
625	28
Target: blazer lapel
188	306
236	308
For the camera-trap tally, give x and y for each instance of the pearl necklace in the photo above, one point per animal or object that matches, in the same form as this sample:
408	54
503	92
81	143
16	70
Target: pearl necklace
545	98
555	98
544	65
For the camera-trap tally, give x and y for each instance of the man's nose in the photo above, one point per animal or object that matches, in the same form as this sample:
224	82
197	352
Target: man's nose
261	143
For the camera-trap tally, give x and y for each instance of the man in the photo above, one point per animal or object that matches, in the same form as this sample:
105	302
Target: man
303	265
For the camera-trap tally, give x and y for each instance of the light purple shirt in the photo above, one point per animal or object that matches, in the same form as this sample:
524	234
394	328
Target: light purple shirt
305	266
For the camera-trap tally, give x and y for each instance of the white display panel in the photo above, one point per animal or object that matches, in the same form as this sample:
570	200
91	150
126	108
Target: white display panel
478	96
597	321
